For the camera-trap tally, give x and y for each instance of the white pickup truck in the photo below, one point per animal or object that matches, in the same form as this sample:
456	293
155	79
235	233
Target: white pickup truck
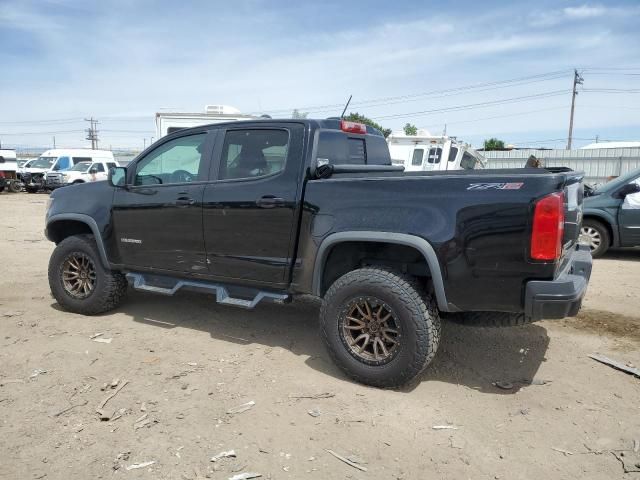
81	172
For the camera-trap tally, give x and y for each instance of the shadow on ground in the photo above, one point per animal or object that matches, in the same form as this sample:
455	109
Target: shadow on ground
632	254
475	357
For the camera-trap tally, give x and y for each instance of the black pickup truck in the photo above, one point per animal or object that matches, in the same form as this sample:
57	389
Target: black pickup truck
271	209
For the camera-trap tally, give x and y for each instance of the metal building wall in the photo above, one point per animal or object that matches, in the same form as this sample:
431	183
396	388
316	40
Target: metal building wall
598	164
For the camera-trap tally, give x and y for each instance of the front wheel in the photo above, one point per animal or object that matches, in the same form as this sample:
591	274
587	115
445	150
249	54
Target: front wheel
78	280
595	235
378	327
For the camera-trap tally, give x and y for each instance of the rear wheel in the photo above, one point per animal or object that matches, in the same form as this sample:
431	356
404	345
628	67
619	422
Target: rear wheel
15	186
595	235
378	327
78	280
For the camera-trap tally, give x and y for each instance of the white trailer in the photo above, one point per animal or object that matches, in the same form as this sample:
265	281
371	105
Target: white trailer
427	152
169	122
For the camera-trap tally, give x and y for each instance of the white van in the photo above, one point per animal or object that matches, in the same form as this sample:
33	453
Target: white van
59	160
426	152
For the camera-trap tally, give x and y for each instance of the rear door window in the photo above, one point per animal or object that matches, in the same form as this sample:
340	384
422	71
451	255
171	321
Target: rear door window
253	153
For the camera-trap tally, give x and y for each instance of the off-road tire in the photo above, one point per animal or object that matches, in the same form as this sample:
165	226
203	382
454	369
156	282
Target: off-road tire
605	238
110	287
488	319
15	187
416	314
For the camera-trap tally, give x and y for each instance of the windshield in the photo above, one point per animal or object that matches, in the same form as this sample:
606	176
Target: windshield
81	167
617	182
43	162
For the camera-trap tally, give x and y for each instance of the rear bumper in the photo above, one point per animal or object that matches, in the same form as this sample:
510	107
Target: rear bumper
561	297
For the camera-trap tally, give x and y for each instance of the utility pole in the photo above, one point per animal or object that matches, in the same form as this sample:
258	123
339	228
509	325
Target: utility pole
144	143
54	142
577	80
92	132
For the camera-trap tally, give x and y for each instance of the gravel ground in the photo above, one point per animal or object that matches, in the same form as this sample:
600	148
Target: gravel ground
182	364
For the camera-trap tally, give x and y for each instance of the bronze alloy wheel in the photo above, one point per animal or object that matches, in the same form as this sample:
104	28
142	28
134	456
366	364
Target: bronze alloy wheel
371	331
78	275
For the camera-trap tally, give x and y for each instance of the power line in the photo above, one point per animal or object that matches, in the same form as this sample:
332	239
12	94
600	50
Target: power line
43	133
499	84
475	105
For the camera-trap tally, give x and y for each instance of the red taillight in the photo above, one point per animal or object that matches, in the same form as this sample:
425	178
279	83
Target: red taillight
353	127
548	228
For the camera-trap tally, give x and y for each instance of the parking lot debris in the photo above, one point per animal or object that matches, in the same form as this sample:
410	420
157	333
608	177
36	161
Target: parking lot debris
111	395
142	422
245	476
564	452
140	465
114	383
630	460
143	407
103	340
96	335
347	461
36	372
12	314
538	381
444	427
242	408
227	454
504	385
315	397
118	414
615	364
65	410
314	413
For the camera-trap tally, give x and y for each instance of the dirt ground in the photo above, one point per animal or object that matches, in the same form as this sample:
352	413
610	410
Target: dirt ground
183	363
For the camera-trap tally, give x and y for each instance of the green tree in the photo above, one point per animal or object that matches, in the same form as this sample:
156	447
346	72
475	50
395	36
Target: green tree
298	114
493	144
356	117
410	129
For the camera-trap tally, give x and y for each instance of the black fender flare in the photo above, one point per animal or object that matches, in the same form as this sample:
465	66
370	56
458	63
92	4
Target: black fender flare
418	243
91	223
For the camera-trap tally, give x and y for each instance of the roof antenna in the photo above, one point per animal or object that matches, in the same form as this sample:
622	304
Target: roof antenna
346	106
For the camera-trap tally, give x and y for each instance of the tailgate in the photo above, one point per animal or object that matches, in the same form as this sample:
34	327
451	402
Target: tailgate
574	195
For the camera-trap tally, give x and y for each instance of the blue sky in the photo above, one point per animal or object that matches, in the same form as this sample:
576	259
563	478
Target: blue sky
123	61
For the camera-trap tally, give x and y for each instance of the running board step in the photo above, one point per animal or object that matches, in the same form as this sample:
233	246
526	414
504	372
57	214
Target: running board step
139	282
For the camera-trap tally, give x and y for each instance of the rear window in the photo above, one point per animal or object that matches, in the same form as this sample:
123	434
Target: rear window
339	148
82	159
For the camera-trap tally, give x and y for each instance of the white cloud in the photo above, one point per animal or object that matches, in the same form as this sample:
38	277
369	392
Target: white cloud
584	11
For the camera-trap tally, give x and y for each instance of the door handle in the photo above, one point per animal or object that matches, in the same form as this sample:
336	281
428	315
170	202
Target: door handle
269	201
184	201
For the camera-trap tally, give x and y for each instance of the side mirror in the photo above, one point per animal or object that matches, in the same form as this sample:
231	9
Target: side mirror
118	176
628	189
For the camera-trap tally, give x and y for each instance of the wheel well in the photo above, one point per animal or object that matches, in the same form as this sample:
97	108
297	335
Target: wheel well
78	181
604	222
347	256
61	229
